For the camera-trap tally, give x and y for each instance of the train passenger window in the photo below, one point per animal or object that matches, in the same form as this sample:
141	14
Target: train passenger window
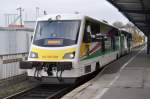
90	31
111	43
108	43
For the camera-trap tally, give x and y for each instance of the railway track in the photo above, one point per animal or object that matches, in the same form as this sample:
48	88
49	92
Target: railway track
50	91
44	91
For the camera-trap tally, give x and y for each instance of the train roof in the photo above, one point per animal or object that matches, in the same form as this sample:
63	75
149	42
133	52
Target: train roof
71	17
61	17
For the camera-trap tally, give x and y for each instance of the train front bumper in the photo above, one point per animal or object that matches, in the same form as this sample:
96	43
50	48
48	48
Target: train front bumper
59	65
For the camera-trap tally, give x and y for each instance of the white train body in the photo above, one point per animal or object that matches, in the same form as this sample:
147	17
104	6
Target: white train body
71	46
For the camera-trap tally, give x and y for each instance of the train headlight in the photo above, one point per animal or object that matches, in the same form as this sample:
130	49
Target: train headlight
69	55
33	55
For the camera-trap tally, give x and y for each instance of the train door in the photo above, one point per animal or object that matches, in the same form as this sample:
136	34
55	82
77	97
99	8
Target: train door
91	43
91	47
125	44
122	47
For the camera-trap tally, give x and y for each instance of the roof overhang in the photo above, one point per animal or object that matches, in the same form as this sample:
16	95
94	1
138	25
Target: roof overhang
137	11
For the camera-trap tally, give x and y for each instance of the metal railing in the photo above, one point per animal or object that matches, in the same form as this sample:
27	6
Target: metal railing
9	64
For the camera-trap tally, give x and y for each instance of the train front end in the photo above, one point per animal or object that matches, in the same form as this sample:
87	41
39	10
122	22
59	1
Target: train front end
54	52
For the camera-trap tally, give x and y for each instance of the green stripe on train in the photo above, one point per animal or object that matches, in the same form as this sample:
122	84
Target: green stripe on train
98	53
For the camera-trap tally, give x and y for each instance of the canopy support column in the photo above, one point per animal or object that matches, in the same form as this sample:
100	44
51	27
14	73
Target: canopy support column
148	43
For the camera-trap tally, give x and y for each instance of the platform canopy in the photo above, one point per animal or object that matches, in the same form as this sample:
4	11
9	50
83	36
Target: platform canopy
137	11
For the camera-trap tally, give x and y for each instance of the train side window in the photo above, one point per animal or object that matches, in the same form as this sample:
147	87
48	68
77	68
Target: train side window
108	43
87	34
91	29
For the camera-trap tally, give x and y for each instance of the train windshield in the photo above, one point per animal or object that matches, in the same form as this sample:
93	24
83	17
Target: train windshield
56	33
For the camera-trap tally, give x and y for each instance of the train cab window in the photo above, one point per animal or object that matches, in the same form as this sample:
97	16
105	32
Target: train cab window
56	33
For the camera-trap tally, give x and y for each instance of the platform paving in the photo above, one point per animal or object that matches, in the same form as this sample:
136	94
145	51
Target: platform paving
126	78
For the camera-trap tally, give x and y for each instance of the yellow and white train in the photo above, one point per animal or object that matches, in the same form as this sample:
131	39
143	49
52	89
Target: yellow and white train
68	47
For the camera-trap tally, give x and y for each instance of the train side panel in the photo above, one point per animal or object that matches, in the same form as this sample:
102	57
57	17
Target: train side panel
97	53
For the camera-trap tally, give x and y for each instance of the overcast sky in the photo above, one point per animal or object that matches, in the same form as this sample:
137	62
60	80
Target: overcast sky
99	9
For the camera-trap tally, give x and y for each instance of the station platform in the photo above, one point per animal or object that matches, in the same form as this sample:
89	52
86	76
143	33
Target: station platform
126	78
